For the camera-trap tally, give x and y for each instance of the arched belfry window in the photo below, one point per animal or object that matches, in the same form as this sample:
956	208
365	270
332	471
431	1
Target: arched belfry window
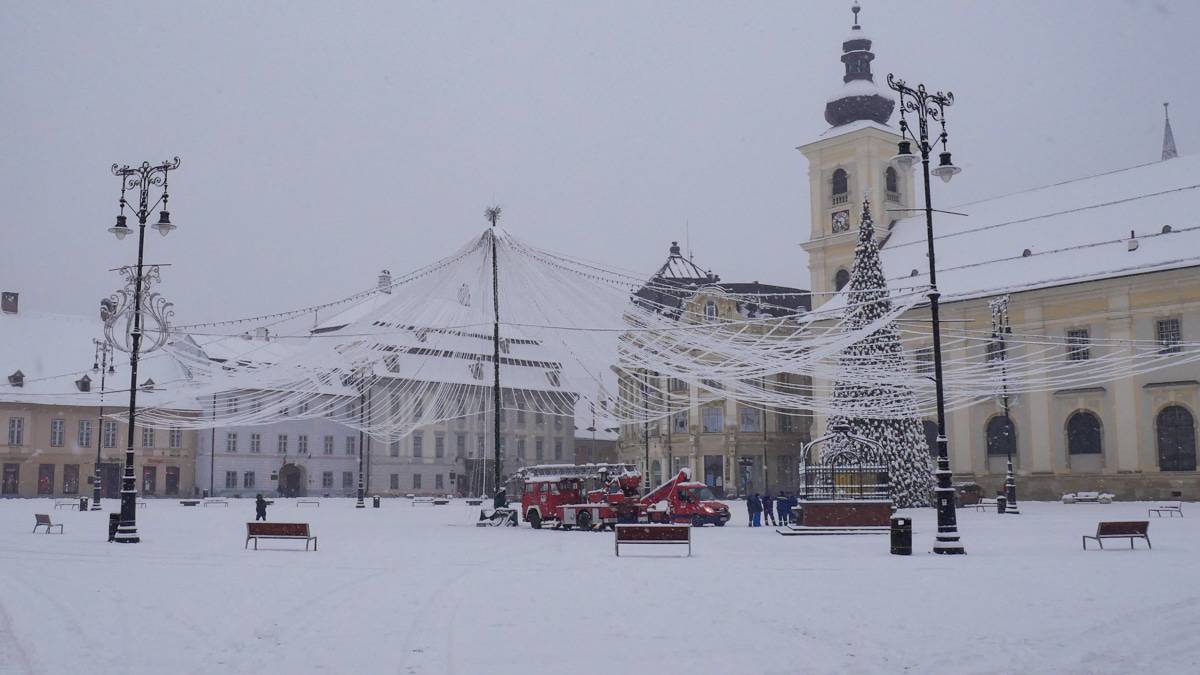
841	279
1001	436
1084	434
1176	430
891	182
841	186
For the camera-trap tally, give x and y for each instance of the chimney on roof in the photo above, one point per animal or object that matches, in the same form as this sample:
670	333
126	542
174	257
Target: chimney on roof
8	302
262	333
385	281
1168	149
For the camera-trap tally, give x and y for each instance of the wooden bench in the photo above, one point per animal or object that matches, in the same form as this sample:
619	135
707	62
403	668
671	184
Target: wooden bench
43	520
258	531
216	502
1087	498
425	501
66	504
1120	529
652	534
189	502
1171	509
310	502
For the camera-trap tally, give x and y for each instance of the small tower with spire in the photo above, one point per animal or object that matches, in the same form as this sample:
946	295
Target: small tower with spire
1168	149
859	99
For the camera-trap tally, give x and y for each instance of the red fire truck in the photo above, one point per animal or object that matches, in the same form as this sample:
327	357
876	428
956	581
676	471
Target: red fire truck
584	496
682	500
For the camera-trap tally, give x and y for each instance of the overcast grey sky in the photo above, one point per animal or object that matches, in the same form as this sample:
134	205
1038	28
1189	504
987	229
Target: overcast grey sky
322	142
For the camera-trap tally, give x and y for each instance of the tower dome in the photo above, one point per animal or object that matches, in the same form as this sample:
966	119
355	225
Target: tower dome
859	98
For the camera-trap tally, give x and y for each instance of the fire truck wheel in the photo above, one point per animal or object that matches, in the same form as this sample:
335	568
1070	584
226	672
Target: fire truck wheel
697	521
535	519
583	520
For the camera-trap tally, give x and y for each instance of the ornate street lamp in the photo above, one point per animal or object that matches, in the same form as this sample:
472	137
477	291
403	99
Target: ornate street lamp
1000	332
142	178
101	364
926	106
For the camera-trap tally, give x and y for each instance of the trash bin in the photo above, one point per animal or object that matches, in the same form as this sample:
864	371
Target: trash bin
114	519
83	503
205	493
375	501
901	536
1001	503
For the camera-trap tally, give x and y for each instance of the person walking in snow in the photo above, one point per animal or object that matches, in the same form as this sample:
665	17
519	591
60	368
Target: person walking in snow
260	508
753	506
781	507
768	507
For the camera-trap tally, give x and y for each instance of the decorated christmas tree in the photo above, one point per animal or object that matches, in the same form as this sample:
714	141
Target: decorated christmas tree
904	449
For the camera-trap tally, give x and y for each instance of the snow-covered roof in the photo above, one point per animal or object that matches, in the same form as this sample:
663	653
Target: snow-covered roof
1059	234
861	88
833	132
53	351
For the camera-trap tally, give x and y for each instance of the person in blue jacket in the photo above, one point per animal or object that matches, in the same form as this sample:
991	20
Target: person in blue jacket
754	510
781	506
768	507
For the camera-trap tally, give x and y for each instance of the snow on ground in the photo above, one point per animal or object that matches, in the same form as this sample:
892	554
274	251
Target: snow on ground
419	589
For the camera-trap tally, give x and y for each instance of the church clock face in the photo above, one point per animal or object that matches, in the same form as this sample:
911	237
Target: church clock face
841	221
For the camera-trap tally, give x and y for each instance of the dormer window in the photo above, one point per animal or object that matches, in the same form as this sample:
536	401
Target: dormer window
891	182
710	310
84	384
840	187
148	385
17	379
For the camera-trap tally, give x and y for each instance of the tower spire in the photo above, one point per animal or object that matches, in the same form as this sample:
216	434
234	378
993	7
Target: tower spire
1168	148
859	98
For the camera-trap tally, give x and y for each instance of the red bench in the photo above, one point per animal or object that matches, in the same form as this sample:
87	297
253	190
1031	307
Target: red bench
653	534
1120	529
258	531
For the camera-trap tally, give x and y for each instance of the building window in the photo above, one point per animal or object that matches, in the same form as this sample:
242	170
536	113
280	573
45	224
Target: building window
302	444
540	419
677	385
439	446
416	481
539	449
481	444
558	422
172	480
108	434
304	408
418	445
327	479
1083	434
230	480
520	418
460	446
395	481
713	419
749	419
147	437
71	479
349	445
175	438
1176	431
328	447
58	432
231	442
248	479
1078	341
891	184
281	444
931	435
438	482
521	449
85	433
1001	436
787	422
233	404
558	449
394	448
710	310
255	443
1168	335
679	422
16	431
45	484
840	280
840	187
149	479
347	480
12	478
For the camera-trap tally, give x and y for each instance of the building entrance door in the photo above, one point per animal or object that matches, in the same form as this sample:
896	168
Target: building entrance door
110	480
291	482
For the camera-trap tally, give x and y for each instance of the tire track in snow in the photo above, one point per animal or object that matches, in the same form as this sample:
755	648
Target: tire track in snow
11	653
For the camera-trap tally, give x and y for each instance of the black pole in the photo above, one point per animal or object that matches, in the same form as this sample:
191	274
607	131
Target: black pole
927	106
1010	480
127	529
362	411
212	457
646	425
499	499
105	350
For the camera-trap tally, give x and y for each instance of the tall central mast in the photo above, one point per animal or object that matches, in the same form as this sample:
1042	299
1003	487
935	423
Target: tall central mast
499	499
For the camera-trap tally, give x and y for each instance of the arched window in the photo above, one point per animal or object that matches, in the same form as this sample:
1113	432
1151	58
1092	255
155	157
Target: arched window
841	279
930	428
1176	439
841	186
891	182
710	310
1083	434
1001	436
656	473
